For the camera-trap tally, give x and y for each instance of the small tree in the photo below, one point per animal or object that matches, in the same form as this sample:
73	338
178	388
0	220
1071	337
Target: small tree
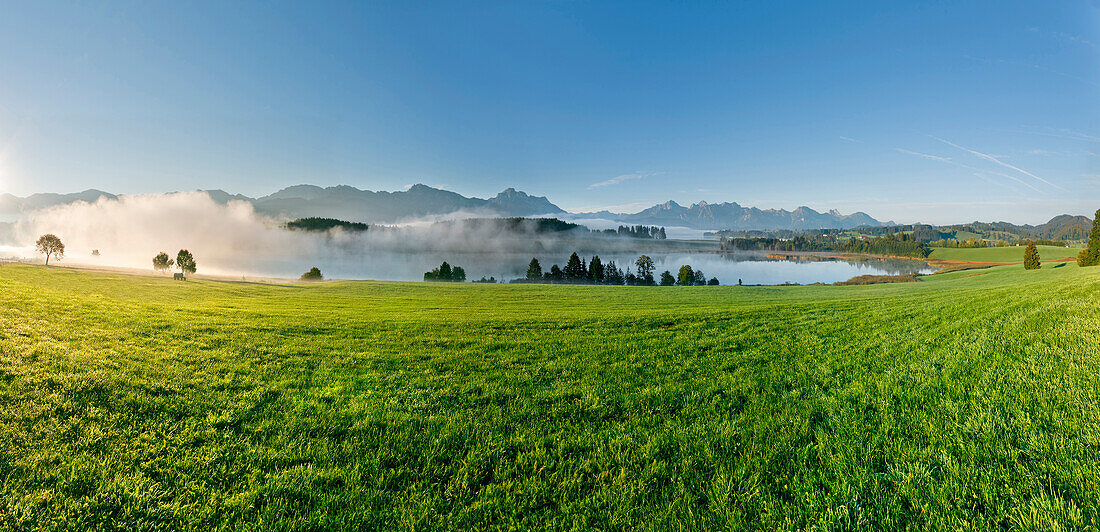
48	245
162	263
574	268
596	269
534	270
186	262
612	274
1031	257
458	274
700	278
645	267
686	276
667	279
1090	256
445	271
713	281
314	274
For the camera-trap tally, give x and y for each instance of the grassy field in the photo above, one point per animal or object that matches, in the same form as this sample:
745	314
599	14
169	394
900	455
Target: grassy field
1006	254
968	400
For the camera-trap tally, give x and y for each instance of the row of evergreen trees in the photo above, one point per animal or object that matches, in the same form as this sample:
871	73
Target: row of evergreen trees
638	231
594	271
897	244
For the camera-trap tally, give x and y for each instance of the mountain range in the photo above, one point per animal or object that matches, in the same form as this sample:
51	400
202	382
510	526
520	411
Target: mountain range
732	216
352	204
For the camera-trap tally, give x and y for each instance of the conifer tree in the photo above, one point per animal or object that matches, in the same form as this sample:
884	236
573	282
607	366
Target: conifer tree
596	269
534	270
574	269
1090	256
1031	257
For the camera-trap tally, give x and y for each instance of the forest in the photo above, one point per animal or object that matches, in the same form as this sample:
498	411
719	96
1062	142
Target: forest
593	271
896	244
506	225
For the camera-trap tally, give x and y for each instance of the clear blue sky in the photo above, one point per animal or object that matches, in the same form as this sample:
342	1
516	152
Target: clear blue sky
939	111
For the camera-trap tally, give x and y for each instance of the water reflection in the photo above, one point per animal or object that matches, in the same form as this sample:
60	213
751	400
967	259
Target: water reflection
750	268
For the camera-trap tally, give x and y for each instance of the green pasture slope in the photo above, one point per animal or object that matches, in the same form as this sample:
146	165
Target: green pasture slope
1004	254
969	400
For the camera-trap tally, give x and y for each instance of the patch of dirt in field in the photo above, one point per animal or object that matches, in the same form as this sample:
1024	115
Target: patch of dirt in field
878	279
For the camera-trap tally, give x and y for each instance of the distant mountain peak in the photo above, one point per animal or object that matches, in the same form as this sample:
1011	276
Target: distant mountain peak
518	203
729	215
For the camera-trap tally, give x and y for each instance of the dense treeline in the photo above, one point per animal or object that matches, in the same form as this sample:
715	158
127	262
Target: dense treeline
898	244
979	243
1059	229
594	271
1053	233
516	225
324	224
638	231
446	273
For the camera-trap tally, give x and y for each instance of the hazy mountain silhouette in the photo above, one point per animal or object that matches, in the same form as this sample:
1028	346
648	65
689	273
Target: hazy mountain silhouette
705	215
350	203
419	201
10	204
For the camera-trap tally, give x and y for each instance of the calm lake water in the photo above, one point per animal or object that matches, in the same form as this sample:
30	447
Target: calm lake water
750	268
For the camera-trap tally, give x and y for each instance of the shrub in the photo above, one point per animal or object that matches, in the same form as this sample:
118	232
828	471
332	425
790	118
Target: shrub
314	274
1031	257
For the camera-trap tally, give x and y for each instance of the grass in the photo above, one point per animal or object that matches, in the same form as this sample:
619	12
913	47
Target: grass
1007	254
876	279
964	401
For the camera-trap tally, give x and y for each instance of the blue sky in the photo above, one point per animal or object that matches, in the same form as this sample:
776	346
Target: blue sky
937	112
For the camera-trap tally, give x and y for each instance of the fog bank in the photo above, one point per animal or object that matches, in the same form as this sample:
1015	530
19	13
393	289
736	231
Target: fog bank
232	239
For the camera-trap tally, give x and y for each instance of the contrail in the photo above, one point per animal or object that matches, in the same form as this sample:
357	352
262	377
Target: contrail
995	160
968	167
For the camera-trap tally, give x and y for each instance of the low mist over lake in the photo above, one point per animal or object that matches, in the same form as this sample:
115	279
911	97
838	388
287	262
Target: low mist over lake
233	240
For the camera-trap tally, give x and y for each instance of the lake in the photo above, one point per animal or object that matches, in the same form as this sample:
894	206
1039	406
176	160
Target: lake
387	264
750	268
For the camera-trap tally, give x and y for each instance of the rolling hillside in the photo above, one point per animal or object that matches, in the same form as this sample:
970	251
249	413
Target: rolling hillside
138	402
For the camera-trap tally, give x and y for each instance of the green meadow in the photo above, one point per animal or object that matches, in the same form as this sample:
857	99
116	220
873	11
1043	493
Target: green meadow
968	400
1003	254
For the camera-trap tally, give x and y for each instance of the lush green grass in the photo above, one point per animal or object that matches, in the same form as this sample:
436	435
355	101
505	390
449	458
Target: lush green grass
966	400
1005	254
